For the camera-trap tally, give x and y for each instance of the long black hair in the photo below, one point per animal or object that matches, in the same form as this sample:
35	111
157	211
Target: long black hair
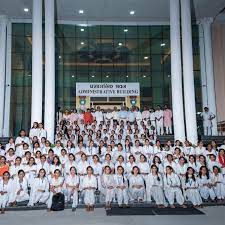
192	177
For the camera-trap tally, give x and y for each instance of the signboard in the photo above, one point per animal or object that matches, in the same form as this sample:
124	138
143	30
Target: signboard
107	89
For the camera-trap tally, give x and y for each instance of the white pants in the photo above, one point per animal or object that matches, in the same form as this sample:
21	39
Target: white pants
41	197
122	196
159	127
4	199
157	194
194	196
89	197
207	129
207	192
220	190
109	194
23	196
137	194
168	129
174	193
74	194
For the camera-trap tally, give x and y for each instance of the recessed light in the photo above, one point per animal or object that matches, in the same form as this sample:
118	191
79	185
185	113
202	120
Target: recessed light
132	12
93	76
127	76
125	30
163	44
107	76
82	29
60	56
82	43
146	57
73	76
81	11
29	75
26	10
120	44
144	76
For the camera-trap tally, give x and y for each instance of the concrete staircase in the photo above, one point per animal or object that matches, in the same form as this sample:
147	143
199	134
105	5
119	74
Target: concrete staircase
4	140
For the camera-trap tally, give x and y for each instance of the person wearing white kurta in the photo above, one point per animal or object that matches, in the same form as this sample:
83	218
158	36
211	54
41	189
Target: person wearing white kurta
147	150
181	169
34	131
159	121
70	163
152	118
207	117
43	165
56	184
14	169
205	184
136	185
218	182
121	185
82	167
39	189
136	150
191	188
143	166
20	188
98	116
6	191
108	186
20	140
97	169
88	187
72	187
172	188
30	171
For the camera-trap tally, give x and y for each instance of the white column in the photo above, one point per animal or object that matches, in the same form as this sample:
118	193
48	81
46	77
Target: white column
37	76
203	68
206	25
49	69
188	74
176	72
3	33
6	132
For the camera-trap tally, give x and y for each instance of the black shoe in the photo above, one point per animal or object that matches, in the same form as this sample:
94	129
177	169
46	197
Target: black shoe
73	209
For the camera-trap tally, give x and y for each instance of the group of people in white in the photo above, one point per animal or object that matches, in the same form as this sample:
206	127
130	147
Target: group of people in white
112	158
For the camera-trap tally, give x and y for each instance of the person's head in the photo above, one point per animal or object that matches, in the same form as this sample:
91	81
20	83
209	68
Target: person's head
107	170
156	160
73	171
31	161
6	176
202	159
11	151
120	170
120	159
190	174
18	160
216	170
131	159
107	157
154	169
42	173
169	158
35	125
56	160
21	174
43	158
40	126
203	171
89	170
169	170
2	160
57	173
83	157
135	170
143	158
95	158
22	133
71	157
192	159
182	160
206	109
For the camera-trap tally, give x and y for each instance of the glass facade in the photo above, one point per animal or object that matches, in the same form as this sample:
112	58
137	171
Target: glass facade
98	54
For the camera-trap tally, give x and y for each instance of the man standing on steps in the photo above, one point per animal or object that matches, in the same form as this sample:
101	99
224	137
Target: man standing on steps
207	117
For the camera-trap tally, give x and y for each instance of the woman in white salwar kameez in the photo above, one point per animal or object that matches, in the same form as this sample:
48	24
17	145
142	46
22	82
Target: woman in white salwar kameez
39	189
88	187
136	185
205	184
20	188
191	188
30	170
181	169
121	185
56	184
108	186
6	191
218	182
154	187
172	188
143	166
72	187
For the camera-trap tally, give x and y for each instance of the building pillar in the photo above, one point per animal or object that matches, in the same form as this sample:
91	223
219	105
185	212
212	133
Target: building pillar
203	68
3	34
206	26
188	74
37	76
176	72
49	111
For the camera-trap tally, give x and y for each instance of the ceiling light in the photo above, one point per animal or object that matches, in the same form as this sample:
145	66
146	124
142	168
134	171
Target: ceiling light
93	76
107	76
127	76
60	56
82	29
120	44
82	43
125	30
29	75
26	10
81	11
132	12
163	44
144	76
146	57
73	76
